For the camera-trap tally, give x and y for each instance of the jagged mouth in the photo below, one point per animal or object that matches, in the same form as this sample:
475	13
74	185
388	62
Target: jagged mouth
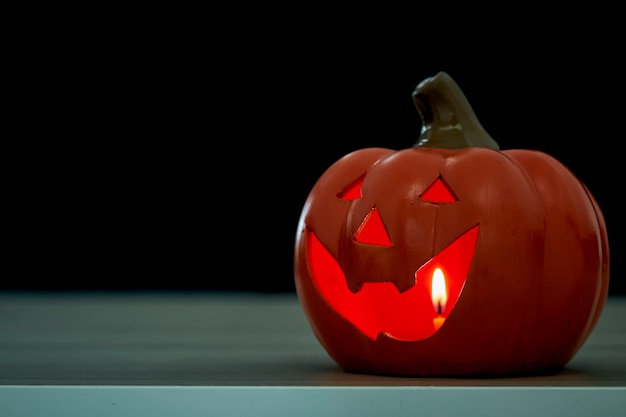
379	309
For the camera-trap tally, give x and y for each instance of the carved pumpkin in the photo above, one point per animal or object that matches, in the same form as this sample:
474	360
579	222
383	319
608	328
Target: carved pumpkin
452	257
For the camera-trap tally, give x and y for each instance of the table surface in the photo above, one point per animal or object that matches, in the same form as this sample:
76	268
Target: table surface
129	354
222	339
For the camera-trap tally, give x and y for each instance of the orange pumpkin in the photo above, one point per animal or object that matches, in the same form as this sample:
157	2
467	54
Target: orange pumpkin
452	257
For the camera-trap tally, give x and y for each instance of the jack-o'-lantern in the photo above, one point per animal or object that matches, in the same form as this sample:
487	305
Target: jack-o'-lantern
452	257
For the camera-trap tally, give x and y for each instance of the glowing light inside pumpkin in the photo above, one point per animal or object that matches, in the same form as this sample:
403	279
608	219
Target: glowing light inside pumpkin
379	307
439	296
438	291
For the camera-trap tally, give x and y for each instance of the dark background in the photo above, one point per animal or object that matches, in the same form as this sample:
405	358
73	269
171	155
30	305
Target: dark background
179	157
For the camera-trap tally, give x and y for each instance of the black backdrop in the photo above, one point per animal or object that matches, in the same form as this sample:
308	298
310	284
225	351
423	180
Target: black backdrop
181	160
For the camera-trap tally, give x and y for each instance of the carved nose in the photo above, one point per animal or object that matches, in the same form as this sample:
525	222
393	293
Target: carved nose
372	230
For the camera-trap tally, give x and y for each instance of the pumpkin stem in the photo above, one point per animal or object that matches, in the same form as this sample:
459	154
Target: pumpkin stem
448	120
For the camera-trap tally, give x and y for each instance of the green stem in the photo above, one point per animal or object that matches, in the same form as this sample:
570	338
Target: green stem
448	120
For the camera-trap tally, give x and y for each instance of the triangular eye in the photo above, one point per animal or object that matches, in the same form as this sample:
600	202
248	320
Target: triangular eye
352	191
372	230
439	192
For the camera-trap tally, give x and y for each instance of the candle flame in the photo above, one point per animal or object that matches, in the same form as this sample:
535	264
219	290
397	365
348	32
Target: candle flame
439	292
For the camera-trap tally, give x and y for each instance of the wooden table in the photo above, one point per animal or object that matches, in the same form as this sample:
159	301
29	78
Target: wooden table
173	353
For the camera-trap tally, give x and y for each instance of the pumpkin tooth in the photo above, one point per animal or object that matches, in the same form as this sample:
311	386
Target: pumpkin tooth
355	287
402	289
395	284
